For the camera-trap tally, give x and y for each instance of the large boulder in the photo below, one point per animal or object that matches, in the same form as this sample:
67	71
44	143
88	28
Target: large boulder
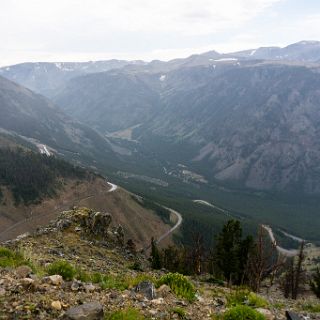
86	311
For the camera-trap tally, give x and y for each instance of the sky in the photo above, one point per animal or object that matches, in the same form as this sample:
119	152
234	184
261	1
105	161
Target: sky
86	30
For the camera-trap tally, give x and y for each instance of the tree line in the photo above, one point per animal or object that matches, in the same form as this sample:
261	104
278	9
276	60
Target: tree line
238	260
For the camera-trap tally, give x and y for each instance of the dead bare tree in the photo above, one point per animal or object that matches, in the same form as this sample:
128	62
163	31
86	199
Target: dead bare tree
197	252
262	261
294	276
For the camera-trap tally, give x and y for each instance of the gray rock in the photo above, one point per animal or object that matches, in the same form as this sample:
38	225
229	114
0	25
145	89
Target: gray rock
100	223
63	224
147	289
87	311
76	285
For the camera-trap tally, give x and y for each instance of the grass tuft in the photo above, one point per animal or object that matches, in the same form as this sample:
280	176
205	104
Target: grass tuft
179	284
63	268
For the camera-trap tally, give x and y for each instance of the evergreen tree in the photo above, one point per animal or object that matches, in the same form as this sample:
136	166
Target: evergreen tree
231	253
155	256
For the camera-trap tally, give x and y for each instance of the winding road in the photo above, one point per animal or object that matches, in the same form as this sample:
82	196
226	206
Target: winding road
282	251
177	225
113	188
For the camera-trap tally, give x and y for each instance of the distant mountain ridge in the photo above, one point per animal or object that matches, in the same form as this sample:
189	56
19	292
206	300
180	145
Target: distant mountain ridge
36	119
245	122
47	77
303	51
249	119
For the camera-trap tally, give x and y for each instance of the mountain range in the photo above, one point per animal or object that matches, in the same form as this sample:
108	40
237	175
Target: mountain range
246	121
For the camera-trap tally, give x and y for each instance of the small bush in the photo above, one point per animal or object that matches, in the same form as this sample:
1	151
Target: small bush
245	297
243	313
9	258
129	314
63	268
141	277
96	277
83	275
179	284
118	282
5	252
257	301
114	282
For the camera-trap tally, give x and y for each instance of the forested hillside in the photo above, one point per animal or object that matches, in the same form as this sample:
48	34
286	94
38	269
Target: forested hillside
30	176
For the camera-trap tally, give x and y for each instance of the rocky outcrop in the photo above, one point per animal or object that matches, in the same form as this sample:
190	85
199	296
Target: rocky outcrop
94	224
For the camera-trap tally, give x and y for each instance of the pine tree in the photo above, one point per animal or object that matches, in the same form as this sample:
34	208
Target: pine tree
227	250
155	256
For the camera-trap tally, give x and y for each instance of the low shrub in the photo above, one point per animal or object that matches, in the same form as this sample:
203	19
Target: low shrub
63	268
245	297
257	301
179	284
114	282
141	277
129	314
10	258
243	313
82	275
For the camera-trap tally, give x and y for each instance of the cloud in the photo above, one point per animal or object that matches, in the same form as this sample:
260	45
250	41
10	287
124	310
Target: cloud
103	16
38	30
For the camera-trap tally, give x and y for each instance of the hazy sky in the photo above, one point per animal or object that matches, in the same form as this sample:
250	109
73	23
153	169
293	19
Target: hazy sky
80	30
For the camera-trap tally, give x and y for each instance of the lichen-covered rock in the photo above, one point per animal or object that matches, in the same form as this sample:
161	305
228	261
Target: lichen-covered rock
147	289
100	223
87	311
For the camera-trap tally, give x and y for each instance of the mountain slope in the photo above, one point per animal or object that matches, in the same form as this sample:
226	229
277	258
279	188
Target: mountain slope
38	120
109	101
35	188
247	123
256	125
